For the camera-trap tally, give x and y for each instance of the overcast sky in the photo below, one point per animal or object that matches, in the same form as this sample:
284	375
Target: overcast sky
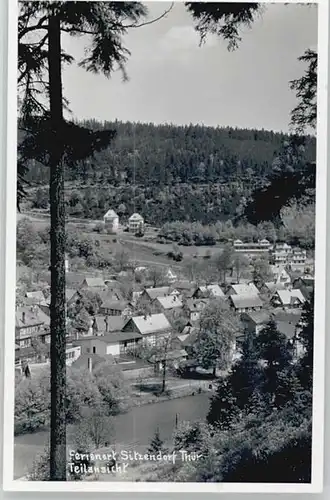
173	80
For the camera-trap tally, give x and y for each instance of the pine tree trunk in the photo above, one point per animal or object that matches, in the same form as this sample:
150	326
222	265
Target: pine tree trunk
57	259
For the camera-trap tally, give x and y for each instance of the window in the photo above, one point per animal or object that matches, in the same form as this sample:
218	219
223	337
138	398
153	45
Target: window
25	343
94	349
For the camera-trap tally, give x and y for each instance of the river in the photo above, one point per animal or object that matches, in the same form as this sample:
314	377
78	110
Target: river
134	427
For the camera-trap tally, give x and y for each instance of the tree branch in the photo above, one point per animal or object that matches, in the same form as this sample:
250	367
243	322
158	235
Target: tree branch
152	21
35	27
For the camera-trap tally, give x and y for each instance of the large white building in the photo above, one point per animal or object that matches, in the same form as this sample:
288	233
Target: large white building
252	248
136	223
111	221
284	254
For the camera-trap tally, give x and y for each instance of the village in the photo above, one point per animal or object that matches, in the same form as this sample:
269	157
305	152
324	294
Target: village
119	328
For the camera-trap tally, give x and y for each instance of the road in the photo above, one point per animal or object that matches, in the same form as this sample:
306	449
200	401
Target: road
133	428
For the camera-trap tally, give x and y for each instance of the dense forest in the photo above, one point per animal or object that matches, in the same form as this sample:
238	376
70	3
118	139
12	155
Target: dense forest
169	173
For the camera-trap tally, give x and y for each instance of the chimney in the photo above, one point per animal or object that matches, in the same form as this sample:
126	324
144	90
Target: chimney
89	364
23	317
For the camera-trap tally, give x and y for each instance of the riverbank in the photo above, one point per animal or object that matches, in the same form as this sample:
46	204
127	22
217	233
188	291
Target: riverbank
132	429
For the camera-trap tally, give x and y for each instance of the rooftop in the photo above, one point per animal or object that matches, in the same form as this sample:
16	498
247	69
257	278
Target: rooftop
288	317
114	323
169	302
69	293
245	289
242	301
109	338
288	296
94	282
196	305
214	290
31	316
36	295
151	324
274	286
114	337
111	214
118	305
288	329
162	291
258	317
136	217
184	285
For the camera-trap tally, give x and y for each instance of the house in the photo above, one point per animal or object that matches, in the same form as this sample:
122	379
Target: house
254	322
103	324
152	327
245	303
305	280
284	278
113	343
194	307
242	289
27	356
289	299
185	288
36	297
252	248
74	280
111	221
136	223
209	291
72	353
116	308
305	284
289	323
170	275
270	287
72	295
112	292
297	259
281	253
150	294
167	303
135	297
31	322
190	339
93	283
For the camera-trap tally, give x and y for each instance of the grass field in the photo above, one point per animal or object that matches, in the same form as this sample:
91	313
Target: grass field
145	251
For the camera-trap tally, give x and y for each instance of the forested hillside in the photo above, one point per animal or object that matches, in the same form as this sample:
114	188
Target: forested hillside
171	173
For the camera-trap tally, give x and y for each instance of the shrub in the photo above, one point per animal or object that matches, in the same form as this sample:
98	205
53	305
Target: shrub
99	227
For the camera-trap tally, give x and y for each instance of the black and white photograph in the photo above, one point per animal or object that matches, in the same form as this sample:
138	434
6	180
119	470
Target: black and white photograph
166	198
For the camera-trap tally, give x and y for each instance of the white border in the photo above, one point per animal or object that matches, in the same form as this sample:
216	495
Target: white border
316	486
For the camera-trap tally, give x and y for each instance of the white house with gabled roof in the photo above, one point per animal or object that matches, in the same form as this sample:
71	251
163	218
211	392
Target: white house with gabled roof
136	223
152	327
111	221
